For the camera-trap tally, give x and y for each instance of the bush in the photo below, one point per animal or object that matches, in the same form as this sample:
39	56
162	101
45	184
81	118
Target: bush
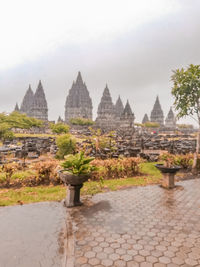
116	168
66	145
81	121
151	124
47	172
59	128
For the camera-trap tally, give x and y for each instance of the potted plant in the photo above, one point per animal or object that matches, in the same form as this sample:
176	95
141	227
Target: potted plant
168	169
76	170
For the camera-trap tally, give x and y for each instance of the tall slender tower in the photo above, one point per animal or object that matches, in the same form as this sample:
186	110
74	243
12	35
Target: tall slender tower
39	108
170	121
106	110
27	102
157	113
119	108
78	102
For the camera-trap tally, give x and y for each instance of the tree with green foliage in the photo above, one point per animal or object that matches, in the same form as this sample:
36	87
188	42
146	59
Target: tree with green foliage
186	91
59	128
5	131
66	145
18	120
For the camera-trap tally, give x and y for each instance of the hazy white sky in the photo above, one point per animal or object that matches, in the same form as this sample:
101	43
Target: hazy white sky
31	28
131	44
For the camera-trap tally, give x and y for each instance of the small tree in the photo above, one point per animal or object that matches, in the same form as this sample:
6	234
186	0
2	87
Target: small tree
66	145
186	91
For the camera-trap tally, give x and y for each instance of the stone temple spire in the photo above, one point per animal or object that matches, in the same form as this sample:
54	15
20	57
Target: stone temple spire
145	119
106	110
119	107
17	108
39	109
78	102
127	117
157	113
27	102
170	121
106	107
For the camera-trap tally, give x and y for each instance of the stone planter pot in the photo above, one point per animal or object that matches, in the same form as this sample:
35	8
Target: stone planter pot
74	184
168	175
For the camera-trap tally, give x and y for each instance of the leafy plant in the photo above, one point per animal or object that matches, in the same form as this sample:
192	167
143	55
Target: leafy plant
78	164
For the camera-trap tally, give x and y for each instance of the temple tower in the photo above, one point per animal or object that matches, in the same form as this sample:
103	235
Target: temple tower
145	119
17	108
170	121
78	102
127	117
27	102
119	108
157	113
106	111
39	108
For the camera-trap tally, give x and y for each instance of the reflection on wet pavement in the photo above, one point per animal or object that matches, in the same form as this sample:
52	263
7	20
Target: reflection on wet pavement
32	235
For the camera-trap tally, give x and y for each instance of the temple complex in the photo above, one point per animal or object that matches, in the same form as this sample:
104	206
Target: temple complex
78	102
35	105
170	121
157	113
79	105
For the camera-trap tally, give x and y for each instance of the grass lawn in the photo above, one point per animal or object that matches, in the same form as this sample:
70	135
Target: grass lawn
150	175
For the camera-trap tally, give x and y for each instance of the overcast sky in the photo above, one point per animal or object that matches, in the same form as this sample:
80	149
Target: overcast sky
132	45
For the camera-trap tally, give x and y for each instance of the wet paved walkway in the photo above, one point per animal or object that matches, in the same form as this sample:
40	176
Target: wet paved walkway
141	226
32	235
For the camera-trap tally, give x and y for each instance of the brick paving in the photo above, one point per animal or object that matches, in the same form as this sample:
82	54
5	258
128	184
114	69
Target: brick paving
141	226
32	235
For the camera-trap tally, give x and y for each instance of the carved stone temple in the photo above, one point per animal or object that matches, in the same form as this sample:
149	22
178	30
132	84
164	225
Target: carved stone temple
170	121
35	105
157	113
78	102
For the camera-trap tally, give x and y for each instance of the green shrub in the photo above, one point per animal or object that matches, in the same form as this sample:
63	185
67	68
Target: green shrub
151	124
66	145
59	128
81	121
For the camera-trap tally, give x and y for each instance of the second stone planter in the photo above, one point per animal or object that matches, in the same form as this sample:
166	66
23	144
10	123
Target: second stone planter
168	175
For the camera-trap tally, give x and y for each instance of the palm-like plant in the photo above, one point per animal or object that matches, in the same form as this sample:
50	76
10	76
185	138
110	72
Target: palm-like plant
78	164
